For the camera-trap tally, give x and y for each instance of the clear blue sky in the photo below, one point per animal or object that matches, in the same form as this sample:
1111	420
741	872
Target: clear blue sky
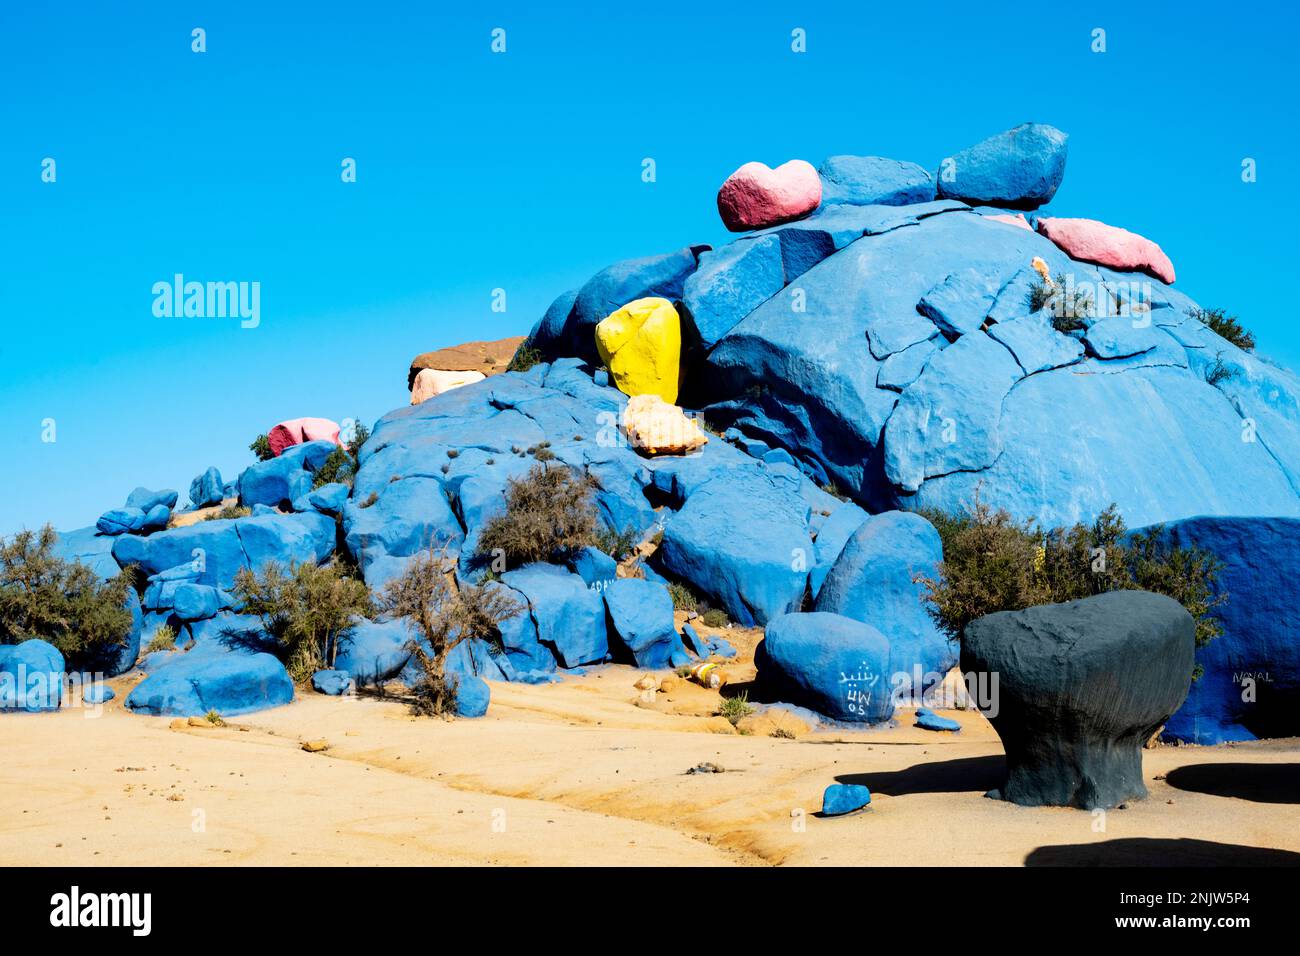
523	171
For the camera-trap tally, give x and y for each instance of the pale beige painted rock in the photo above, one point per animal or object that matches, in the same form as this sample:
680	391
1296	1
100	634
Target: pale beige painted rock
434	381
657	428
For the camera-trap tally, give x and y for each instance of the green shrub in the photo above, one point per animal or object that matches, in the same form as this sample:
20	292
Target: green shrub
229	511
443	615
684	598
548	515
164	639
735	709
1068	305
714	617
525	357
341	465
617	544
261	447
1219	372
993	563
308	610
59	601
1225	326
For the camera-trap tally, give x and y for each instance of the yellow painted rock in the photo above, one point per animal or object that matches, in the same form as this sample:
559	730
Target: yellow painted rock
641	345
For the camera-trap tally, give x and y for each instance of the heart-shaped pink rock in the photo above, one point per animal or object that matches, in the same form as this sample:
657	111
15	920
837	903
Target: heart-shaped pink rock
754	196
1091	241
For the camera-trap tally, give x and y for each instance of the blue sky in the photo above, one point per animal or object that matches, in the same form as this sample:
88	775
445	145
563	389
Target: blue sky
522	171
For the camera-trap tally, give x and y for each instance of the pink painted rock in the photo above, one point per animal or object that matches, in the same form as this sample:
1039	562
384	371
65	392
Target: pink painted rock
295	431
754	196
1017	220
1093	241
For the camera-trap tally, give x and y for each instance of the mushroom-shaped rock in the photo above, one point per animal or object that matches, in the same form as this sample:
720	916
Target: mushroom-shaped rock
296	431
430	382
486	358
1091	241
1080	688
656	427
756	196
641	343
831	664
1019	169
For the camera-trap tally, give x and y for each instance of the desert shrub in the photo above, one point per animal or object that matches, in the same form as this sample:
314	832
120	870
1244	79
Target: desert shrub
164	639
341	465
1225	326
684	598
833	490
525	357
992	562
261	447
229	511
735	709
714	617
548	515
214	718
60	601
1219	372
1068	305
307	610
443	615
370	500
617	544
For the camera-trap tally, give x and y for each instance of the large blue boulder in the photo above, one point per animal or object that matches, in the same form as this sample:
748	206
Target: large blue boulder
472	695
615	286
146	500
212	679
742	540
207	489
276	482
874	581
89	547
641	620
156	518
832	534
569	617
196	602
730	283
335	683
834	665
1019	169
216	550
31	677
120	521
874	180
1249	685
409	516
375	651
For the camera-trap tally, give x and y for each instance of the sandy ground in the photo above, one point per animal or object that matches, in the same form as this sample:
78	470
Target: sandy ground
591	771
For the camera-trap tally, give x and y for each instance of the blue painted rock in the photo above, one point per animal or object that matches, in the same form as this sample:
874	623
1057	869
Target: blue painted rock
595	567
842	798
729	284
472	695
144	499
329	498
569	617
335	683
156	518
833	534
694	643
120	521
641	621
97	693
276	482
874	180
1020	169
873	581
207	489
410	515
927	719
742	539
89	547
831	664
196	602
1250	674
1080	688
31	677
375	651
228	682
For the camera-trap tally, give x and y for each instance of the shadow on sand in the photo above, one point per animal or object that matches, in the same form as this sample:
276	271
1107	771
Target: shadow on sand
945	776
1260	782
1144	851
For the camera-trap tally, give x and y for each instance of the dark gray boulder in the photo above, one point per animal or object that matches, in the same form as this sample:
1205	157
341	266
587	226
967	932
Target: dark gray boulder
1080	688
